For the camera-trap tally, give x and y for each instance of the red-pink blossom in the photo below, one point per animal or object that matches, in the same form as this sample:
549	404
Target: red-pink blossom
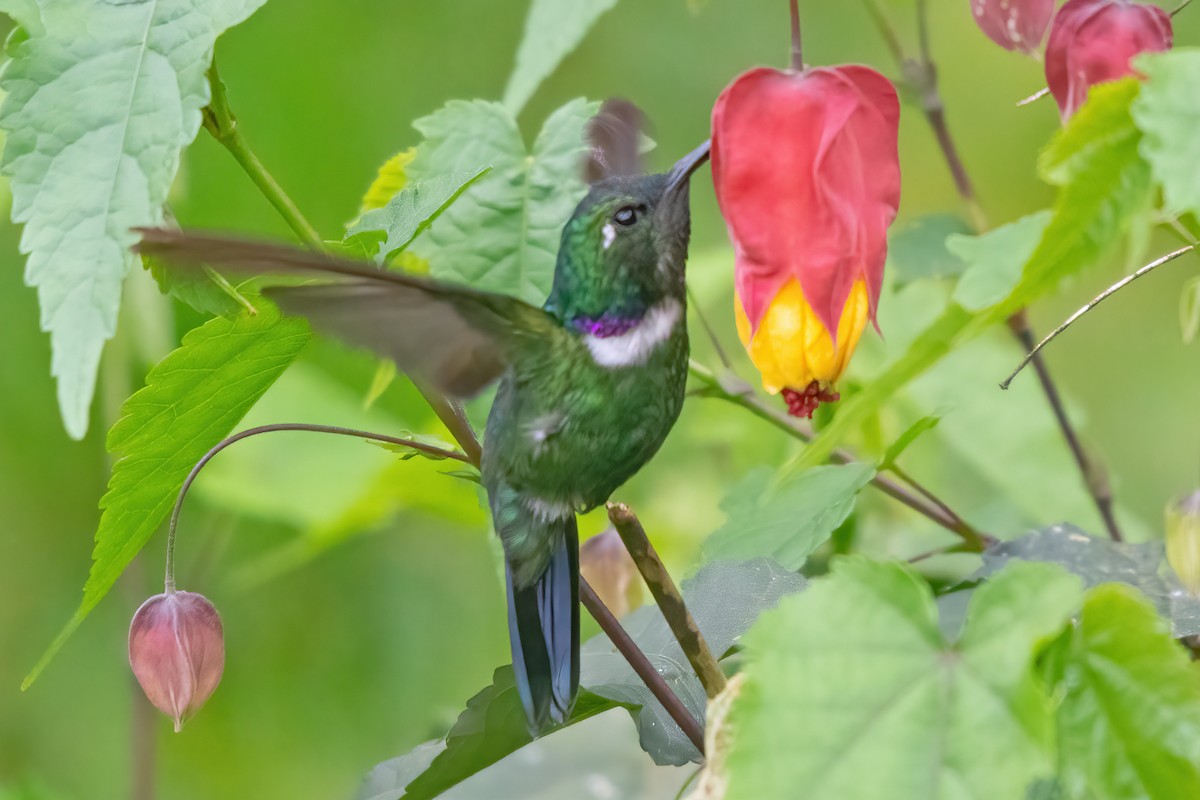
807	174
1093	41
1014	24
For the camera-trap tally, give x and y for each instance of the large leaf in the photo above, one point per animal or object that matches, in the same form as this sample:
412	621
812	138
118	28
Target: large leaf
789	521
919	249
503	235
995	260
725	598
852	691
552	30
490	728
192	399
1167	113
100	100
1097	561
1129	724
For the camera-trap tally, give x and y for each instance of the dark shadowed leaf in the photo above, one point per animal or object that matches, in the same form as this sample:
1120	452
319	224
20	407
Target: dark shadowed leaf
725	598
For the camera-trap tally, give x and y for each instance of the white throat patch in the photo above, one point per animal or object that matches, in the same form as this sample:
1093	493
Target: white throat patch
635	345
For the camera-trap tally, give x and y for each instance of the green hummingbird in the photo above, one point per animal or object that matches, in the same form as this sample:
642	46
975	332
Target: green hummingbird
590	383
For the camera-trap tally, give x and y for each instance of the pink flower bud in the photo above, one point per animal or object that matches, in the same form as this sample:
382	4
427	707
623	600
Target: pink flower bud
606	565
807	174
177	652
1014	24
1093	41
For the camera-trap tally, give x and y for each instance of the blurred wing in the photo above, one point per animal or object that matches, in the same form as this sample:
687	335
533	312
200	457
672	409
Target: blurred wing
614	138
457	338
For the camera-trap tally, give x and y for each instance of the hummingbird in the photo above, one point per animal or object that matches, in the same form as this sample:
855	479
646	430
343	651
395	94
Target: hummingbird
589	384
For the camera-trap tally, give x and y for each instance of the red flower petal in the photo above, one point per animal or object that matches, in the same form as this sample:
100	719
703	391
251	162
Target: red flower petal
1093	41
807	174
1014	24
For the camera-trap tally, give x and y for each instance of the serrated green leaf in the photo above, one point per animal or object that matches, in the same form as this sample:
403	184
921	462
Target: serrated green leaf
786	522
853	693
99	105
725	598
910	435
192	399
1168	116
995	260
919	249
515	213
410	212
1129	724
552	30
389	180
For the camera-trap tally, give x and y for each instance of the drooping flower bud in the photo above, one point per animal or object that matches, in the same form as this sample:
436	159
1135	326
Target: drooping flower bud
1093	41
607	566
177	652
1183	541
807	174
1014	24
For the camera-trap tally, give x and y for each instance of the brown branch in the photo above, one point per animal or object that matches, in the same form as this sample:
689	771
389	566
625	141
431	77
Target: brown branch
641	665
667	595
797	49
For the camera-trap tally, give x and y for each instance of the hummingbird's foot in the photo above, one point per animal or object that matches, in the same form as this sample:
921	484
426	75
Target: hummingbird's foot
803	404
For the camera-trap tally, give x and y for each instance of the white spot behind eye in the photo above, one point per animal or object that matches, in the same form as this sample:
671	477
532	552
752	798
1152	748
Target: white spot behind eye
610	234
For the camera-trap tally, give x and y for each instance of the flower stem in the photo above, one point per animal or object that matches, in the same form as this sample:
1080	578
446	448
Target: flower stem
797	43
220	121
173	525
670	601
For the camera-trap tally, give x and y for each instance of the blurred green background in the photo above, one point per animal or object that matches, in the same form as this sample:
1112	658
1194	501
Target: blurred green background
345	649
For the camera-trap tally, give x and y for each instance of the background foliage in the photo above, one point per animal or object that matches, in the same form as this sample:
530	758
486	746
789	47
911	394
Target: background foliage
341	661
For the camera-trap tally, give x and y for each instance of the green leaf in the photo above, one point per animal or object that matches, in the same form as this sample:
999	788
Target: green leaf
853	693
192	400
920	249
552	30
514	215
491	727
205	290
910	435
98	107
1168	116
1104	183
1097	561
25	12
410	212
391	177
1129	724
995	260
725	598
786	522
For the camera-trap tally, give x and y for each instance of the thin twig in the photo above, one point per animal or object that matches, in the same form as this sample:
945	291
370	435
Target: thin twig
797	49
641	665
1038	95
926	493
742	395
1181	7
173	525
1095	301
670	601
708	329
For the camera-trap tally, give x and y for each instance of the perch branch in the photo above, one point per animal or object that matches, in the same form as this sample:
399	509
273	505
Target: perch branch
670	601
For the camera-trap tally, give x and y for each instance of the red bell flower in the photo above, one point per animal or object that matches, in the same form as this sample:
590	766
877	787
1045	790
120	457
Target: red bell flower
1014	24
807	174
177	652
1093	41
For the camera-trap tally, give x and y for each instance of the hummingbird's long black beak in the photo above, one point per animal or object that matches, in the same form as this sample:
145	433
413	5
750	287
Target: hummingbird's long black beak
684	167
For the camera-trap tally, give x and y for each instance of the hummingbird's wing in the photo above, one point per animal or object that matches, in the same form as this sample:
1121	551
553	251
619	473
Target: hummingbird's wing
614	138
457	338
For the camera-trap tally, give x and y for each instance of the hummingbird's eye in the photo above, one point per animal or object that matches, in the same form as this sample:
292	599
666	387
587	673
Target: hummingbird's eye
626	215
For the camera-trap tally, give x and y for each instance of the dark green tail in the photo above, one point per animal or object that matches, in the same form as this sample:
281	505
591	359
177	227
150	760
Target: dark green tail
543	629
